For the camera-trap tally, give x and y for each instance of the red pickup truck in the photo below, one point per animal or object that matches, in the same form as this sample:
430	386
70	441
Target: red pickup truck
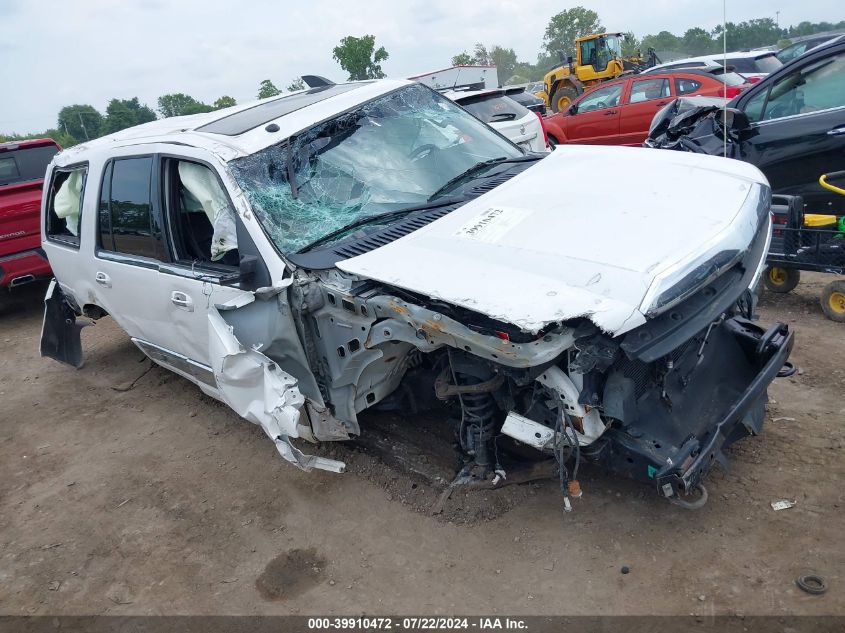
22	168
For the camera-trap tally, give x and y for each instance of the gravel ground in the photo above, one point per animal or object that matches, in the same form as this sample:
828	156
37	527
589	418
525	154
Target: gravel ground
126	491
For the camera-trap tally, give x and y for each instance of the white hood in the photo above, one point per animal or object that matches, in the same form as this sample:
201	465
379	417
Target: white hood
585	232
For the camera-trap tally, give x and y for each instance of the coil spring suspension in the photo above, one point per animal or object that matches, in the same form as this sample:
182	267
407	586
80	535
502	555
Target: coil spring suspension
478	424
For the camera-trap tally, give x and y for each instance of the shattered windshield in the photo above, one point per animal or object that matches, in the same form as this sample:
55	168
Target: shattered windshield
388	154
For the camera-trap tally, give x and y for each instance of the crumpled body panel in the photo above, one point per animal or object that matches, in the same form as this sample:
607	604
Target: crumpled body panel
257	389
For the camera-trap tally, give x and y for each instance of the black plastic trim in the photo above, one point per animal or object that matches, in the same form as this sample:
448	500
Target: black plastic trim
773	351
669	330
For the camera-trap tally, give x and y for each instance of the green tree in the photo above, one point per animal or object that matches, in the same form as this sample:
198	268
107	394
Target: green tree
268	89
564	27
63	139
359	57
631	45
463	59
697	41
224	102
81	122
179	104
662	42
481	56
750	34
504	59
124	113
296	84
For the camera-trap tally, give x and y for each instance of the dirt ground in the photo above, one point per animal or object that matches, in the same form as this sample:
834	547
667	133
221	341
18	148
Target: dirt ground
124	490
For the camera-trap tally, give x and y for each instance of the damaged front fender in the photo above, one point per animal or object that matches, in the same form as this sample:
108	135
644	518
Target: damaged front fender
257	389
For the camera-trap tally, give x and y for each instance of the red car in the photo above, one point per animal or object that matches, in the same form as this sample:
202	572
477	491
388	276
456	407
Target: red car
22	168
619	112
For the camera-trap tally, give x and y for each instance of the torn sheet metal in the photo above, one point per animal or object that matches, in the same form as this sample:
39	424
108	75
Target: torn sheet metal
257	389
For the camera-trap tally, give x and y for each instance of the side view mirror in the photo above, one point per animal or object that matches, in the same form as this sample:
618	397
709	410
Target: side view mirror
733	119
573	109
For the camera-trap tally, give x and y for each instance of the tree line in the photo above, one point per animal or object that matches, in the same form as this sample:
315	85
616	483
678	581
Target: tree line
360	58
82	122
564	27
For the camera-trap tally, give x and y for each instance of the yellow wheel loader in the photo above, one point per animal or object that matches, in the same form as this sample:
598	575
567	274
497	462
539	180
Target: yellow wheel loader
598	57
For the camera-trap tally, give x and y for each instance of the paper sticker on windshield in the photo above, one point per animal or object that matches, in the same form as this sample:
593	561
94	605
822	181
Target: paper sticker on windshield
493	224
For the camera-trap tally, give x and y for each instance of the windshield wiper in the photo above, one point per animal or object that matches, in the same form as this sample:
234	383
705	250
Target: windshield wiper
484	164
369	219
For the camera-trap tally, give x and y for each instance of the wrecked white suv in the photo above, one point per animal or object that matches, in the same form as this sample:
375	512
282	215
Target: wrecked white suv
372	244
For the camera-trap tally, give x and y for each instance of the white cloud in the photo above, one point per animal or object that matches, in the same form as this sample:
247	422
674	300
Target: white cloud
56	53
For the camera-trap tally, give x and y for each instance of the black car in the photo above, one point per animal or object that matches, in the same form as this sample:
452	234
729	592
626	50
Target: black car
791	125
526	99
796	49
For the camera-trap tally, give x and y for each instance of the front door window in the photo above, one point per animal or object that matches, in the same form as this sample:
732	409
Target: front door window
817	86
601	99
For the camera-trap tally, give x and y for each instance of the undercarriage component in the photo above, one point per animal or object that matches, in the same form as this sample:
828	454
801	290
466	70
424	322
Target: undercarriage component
60	333
474	383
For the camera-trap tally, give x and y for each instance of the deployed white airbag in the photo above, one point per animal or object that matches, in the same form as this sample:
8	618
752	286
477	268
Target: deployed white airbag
66	203
202	184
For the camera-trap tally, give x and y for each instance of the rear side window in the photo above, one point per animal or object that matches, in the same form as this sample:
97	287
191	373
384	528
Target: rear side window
495	109
25	164
64	204
130	219
730	78
647	89
768	64
686	86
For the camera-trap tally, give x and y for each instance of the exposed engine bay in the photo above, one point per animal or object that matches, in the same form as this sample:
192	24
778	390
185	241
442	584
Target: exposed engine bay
658	404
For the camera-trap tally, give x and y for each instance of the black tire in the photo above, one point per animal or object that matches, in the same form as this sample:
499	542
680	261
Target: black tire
833	300
781	280
565	91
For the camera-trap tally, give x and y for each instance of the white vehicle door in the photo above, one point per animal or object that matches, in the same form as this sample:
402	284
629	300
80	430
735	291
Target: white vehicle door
160	300
130	247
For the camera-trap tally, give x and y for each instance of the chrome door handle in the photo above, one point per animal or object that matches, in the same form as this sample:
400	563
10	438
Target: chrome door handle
837	131
182	300
103	279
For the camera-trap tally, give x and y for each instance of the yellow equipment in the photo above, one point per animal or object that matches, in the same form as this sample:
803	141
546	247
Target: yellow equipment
598	57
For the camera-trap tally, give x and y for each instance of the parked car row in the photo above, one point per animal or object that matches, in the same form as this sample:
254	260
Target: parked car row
790	125
620	112
754	65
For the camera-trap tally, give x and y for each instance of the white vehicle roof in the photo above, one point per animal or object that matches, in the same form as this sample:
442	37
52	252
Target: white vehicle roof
293	113
715	59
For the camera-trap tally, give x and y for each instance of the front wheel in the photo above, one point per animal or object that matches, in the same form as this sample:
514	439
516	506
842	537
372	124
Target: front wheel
781	280
563	98
833	300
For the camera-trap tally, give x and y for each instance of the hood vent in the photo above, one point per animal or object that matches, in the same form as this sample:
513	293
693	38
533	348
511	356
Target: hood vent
391	233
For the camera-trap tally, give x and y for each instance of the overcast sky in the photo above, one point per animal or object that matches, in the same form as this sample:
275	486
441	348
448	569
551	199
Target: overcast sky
60	52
